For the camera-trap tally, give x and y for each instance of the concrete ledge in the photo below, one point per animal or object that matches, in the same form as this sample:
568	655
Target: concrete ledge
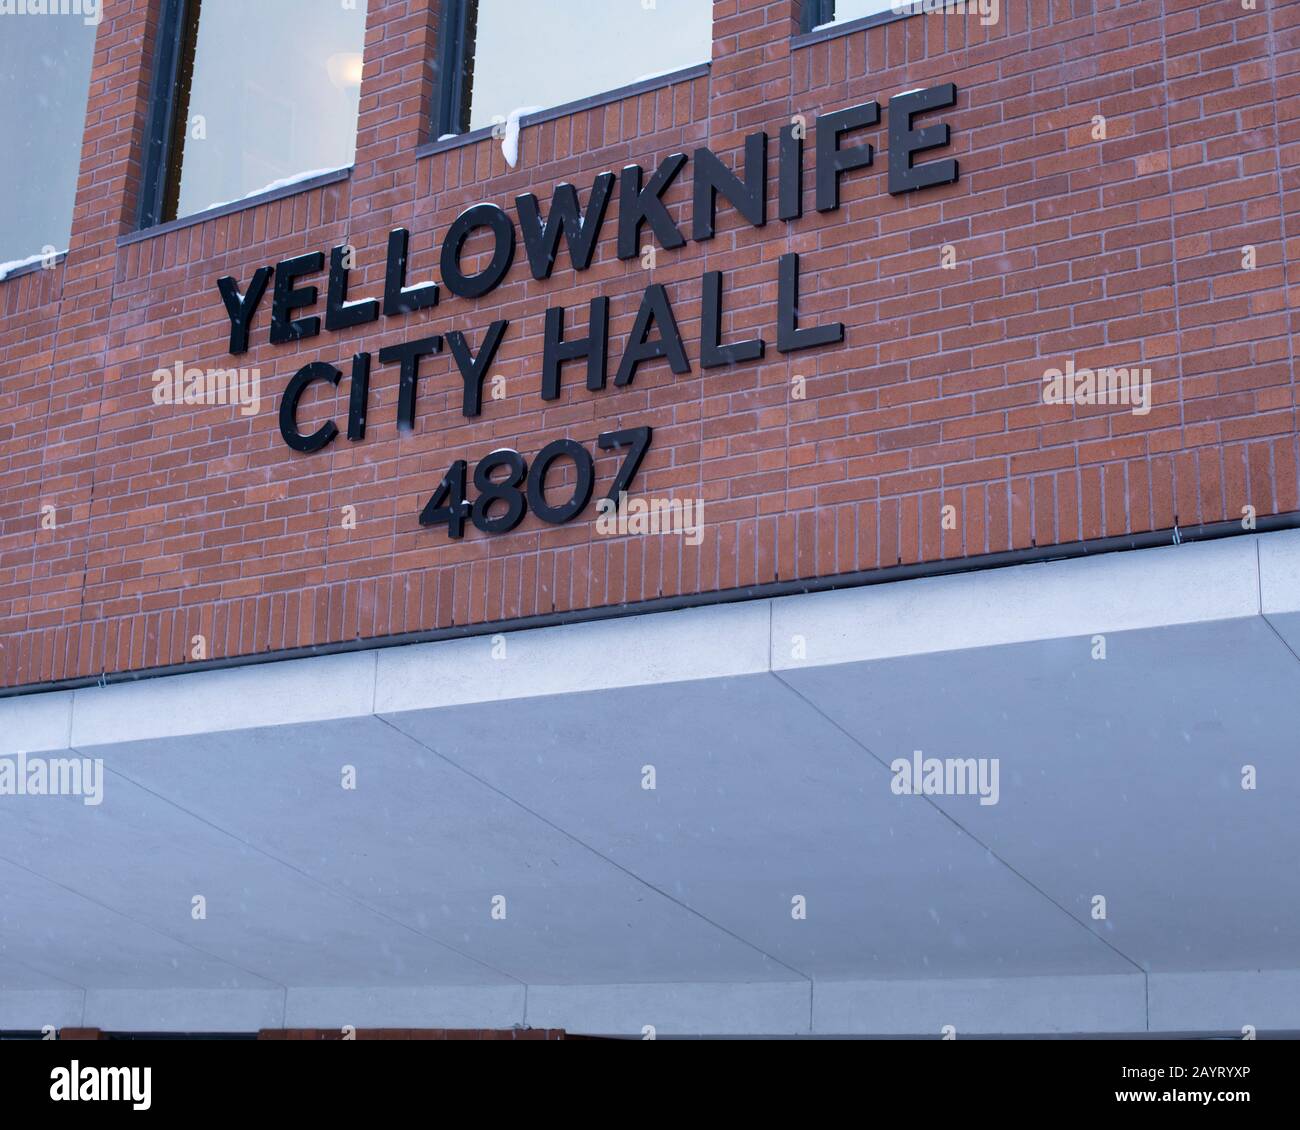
184	1010
1279	571
985	1007
1188	584
31	1010
39	722
1117	592
1226	1001
1180	1003
1279	584
773	1009
496	1006
668	647
237	698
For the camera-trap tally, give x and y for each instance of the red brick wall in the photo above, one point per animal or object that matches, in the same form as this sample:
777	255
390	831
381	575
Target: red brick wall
175	522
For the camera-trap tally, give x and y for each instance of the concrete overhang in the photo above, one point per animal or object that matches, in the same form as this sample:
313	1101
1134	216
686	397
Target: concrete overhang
515	768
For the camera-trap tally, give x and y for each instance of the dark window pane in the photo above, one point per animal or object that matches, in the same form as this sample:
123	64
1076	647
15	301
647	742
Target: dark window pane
44	79
274	95
846	10
540	53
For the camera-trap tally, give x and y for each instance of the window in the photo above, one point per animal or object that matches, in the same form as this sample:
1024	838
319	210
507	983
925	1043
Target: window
505	56
44	81
250	95
820	13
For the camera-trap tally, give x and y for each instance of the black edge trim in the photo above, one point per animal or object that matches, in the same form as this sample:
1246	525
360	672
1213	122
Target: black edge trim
451	34
32	268
862	579
807	38
162	101
331	177
441	145
644	86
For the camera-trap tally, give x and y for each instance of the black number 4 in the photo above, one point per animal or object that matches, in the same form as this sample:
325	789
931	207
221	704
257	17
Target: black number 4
447	506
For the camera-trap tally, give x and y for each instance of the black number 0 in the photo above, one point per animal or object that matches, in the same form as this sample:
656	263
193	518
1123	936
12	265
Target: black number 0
586	478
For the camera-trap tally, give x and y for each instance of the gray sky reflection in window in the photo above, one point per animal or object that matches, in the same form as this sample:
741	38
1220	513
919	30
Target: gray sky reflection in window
275	92
547	52
44	80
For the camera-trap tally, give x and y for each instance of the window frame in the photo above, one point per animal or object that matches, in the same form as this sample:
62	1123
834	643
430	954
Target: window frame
455	61
449	113
168	112
76	146
160	134
814	13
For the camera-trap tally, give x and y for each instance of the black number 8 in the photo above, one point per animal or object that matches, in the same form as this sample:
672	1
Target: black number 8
506	490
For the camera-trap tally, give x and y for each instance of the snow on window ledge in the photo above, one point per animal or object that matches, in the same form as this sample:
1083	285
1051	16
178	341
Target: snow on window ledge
274	186
16	265
277	190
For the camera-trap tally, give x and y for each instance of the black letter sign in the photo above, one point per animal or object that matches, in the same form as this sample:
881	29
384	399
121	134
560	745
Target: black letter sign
904	140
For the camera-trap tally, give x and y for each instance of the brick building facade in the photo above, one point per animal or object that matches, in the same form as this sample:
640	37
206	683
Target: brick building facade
1126	194
200	521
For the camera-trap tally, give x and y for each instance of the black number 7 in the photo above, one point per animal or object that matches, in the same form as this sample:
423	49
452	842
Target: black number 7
638	439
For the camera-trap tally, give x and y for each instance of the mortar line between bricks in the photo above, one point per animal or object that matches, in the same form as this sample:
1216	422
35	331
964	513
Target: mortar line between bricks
1173	264
95	466
1282	225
